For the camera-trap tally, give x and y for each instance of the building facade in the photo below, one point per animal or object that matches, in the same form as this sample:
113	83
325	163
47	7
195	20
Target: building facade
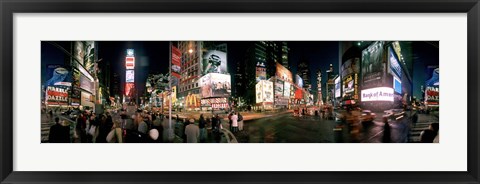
386	75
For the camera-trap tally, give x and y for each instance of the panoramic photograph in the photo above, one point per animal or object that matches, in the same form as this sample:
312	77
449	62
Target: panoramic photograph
374	91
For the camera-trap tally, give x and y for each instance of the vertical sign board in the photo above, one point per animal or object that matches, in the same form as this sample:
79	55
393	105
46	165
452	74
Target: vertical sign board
176	59
129	62
130	76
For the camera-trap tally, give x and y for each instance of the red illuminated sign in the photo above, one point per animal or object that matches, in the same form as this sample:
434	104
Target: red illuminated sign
130	62
176	57
129	88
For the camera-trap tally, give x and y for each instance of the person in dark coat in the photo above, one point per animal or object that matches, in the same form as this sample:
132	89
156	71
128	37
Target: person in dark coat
59	133
217	133
427	136
202	125
80	128
104	128
386	131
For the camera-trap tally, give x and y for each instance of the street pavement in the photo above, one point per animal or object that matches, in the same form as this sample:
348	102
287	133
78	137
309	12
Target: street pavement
424	121
286	128
283	127
46	123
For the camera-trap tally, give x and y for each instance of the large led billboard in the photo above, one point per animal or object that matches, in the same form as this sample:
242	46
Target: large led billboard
58	75
337	87
130	76
216	103
79	52
129	62
278	87
264	91
286	89
394	65
89	57
129	88
176	59
260	73
348	84
57	95
432	86
214	61
87	84
298	81
215	85
351	66
377	94
372	64
283	73
130	52
397	85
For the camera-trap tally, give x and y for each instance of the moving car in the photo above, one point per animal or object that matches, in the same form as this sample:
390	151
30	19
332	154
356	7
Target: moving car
367	116
395	114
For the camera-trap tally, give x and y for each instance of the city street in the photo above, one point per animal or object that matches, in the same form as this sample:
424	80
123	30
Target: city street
281	90
289	129
283	127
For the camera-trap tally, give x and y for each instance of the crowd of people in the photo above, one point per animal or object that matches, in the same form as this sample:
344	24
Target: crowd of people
142	126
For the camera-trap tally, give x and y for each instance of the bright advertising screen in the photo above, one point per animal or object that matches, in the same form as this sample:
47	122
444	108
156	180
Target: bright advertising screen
348	84
377	94
57	95
130	52
130	76
130	62
86	84
286	89
372	64
397	85
337	87
215	85
215	61
298	81
432	89
129	88
176	60
283	73
57	75
395	67
264	91
260	73
278	87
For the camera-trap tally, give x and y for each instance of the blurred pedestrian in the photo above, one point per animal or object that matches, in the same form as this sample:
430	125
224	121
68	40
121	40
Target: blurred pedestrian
234	122
192	132
157	124
105	125
202	123
428	135
80	128
91	129
386	131
214	124
142	129
115	134
230	121
240	122
59	133
216	128
414	118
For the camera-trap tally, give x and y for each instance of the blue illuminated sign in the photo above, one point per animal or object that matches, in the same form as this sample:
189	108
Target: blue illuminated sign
397	85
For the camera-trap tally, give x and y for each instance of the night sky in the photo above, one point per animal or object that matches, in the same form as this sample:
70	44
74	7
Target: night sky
152	57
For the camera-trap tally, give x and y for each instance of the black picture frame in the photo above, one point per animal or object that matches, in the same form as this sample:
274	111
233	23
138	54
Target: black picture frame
9	7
